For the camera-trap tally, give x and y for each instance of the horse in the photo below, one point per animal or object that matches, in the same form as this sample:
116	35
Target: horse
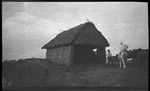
123	59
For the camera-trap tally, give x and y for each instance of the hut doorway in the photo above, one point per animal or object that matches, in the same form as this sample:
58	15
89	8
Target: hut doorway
85	54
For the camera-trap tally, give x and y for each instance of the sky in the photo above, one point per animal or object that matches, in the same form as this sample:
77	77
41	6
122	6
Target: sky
27	26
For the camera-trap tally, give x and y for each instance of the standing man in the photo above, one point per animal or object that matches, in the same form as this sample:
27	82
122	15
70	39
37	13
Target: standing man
123	57
108	55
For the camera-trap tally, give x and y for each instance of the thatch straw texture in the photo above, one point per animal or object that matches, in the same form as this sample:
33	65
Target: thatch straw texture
85	33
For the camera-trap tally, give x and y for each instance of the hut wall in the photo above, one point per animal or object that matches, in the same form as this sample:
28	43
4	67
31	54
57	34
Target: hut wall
59	55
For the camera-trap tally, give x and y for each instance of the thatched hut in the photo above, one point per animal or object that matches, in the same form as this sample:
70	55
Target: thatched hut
76	45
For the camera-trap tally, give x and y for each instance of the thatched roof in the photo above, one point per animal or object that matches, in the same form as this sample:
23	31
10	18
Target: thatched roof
86	34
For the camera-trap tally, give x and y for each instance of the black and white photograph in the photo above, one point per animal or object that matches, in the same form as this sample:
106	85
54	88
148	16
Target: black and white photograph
75	44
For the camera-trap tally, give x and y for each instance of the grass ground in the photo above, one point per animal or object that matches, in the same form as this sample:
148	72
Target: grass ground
108	76
39	73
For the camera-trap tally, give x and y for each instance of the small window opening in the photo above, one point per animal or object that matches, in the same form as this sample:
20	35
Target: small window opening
95	51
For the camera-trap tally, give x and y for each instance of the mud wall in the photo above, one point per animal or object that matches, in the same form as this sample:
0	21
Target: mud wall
60	55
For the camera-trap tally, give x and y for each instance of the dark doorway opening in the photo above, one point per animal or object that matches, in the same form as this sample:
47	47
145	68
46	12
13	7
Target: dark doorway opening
85	54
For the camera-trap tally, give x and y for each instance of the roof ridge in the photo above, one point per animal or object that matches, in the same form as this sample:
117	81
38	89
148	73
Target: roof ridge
75	37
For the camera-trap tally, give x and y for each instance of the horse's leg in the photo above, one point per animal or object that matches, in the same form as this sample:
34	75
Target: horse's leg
107	60
123	61
120	62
